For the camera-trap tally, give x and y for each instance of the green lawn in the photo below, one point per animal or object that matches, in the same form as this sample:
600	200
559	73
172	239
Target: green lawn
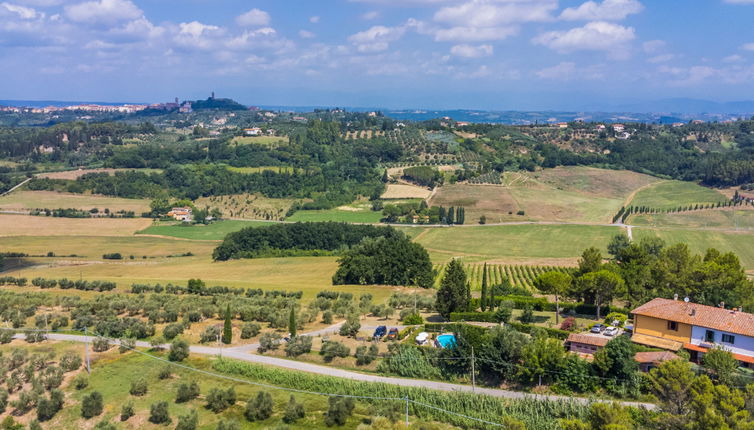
671	194
214	231
700	240
360	216
717	218
533	241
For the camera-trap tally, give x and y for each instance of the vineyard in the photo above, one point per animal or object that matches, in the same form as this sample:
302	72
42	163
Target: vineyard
437	150
518	275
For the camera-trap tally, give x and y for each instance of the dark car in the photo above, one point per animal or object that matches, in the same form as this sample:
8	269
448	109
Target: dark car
380	332
392	334
598	328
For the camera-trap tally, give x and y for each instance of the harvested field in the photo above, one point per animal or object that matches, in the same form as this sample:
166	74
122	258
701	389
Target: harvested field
260	140
405	191
492	201
25	200
75	174
25	225
672	194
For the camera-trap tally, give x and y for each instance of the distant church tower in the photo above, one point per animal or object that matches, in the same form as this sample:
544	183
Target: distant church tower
213	95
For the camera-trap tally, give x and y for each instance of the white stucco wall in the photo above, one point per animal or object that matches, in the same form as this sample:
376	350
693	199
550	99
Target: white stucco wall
743	345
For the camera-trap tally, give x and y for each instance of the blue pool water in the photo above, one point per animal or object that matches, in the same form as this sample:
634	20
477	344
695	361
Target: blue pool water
446	340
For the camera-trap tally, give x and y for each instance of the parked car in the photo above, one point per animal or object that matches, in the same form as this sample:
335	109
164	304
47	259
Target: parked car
598	328
380	332
611	331
392	334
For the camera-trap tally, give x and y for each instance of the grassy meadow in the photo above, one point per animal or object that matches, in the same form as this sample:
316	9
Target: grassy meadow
700	240
671	194
214	231
359	212
729	218
535	242
259	140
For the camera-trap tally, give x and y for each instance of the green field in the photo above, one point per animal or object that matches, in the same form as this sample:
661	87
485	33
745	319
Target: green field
672	194
710	218
214	231
24	200
340	215
276	169
259	140
530	241
701	240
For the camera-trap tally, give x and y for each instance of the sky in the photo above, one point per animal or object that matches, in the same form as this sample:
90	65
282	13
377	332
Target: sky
443	54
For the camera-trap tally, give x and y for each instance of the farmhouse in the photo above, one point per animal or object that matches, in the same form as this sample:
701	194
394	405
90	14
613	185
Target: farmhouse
254	131
618	128
651	359
181	214
672	324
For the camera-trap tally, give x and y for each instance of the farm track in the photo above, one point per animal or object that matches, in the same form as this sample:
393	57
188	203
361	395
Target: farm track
16	187
241	354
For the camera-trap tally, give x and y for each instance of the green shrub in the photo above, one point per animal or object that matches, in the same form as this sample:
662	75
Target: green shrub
339	410
188	421
298	345
249	330
138	387
332	349
260	408
165	372
158	413
179	350
91	405
294	411
269	341
366	355
187	391
219	400
616	316
414	319
70	361
126	411
527	316
172	330
81	381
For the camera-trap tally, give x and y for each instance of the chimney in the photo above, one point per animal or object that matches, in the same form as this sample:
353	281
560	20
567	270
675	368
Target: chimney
722	305
675	296
693	312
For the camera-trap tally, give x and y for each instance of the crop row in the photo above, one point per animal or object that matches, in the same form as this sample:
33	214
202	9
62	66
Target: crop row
519	275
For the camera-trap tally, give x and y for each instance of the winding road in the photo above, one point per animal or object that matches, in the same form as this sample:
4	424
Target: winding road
244	353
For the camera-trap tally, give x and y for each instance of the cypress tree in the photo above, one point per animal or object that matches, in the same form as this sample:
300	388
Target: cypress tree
454	294
484	288
451	215
292	322
442	214
227	328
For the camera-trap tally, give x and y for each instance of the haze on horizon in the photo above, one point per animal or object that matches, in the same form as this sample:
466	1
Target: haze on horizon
482	54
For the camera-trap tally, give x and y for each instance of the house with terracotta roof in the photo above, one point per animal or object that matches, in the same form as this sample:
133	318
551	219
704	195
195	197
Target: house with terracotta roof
675	324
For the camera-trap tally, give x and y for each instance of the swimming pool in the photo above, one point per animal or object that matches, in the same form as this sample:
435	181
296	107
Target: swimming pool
446	340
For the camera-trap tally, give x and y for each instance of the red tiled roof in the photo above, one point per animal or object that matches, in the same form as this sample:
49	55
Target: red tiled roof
699	315
587	339
654	356
739	357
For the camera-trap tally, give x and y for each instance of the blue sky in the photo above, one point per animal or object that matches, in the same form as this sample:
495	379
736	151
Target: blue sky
486	54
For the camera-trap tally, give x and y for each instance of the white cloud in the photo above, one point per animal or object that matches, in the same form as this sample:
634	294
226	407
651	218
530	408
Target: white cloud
608	10
486	13
196	35
314	19
306	34
376	38
735	58
594	36
370	15
739	1
662	58
253	18
748	46
103	11
474	34
21	11
470	51
567	70
653	46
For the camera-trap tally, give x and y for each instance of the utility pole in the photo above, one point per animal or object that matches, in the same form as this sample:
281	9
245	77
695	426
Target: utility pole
473	371
86	344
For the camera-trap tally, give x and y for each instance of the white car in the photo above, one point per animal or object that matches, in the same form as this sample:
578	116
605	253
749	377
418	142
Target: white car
610	331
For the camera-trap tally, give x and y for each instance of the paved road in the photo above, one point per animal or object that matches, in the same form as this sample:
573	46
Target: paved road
239	353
